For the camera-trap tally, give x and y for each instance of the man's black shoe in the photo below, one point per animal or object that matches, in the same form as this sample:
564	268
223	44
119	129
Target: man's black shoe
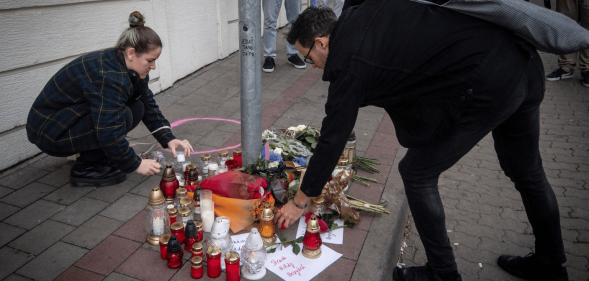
268	65
296	61
531	268
585	78
418	273
95	173
559	74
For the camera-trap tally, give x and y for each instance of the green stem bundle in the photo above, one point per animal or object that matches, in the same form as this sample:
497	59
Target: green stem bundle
367	164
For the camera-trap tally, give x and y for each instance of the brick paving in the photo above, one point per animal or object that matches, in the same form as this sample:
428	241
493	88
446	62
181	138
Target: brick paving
485	217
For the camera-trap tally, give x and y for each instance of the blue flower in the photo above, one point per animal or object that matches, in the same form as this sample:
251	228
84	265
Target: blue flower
275	157
301	161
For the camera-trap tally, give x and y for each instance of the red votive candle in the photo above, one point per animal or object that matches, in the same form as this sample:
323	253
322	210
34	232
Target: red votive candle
173	215
200	231
196	250
174	253
214	261
237	156
232	266
190	235
178	230
196	267
164	245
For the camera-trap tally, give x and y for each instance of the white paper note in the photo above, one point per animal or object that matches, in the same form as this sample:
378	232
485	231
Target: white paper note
289	266
331	237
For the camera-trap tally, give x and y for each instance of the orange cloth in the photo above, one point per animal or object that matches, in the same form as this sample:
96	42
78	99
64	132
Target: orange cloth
237	210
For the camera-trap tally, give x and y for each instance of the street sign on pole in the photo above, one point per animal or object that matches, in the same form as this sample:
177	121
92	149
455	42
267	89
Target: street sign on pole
250	58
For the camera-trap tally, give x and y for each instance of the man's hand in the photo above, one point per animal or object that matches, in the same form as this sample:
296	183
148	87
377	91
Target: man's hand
173	144
148	167
290	213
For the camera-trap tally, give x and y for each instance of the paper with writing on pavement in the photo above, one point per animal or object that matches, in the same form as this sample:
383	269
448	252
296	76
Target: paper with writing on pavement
289	266
331	237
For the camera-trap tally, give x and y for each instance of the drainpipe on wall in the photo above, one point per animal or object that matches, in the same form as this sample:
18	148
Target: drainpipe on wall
250	58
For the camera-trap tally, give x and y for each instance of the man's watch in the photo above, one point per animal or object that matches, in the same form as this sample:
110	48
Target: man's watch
297	205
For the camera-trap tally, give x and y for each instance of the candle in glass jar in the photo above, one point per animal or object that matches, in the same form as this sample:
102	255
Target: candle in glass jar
158	226
200	230
196	270
174	253
214	261
197	250
232	266
237	156
178	230
164	245
173	212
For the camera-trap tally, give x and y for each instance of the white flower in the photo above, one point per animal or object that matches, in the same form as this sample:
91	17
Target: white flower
293	183
292	128
267	134
278	150
300	128
273	164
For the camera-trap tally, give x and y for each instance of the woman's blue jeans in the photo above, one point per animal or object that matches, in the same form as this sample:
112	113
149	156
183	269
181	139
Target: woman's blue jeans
514	123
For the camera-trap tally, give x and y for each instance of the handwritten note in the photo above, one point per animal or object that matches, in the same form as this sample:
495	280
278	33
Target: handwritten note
289	266
331	237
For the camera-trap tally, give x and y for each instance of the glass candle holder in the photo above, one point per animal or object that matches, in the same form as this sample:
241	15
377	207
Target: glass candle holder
214	261
232	266
179	194
185	215
169	183
196	270
199	230
232	165
188	167
213	169
223	156
157	220
312	239
174	253
205	160
164	245
190	235
237	156
267	228
197	250
173	213
253	256
318	206
178	231
350	150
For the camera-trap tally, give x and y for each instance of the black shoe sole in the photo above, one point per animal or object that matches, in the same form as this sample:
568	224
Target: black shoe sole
297	66
81	182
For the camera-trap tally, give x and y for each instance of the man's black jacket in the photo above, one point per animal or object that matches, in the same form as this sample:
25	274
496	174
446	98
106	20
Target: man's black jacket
421	63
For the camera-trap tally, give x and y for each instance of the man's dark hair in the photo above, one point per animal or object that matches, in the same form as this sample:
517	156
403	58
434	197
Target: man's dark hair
311	23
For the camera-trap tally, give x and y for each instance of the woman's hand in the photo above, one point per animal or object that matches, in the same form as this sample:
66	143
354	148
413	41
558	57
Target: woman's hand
148	167
173	144
290	213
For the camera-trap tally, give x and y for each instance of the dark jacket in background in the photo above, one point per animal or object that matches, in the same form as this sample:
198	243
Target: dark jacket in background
421	63
82	108
349	3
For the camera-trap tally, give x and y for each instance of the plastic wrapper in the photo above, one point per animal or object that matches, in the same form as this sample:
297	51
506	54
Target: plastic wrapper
279	187
335	199
235	184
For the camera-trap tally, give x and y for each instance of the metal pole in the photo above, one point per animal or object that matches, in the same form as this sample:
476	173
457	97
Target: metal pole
250	58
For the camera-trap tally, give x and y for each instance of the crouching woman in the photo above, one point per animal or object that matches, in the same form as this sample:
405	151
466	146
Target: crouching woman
90	105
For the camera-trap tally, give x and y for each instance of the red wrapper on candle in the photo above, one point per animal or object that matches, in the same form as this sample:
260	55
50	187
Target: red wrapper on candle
178	230
214	262
237	156
232	266
196	270
174	253
197	250
164	245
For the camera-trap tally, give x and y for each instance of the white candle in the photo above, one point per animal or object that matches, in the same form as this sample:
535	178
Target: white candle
207	209
158	227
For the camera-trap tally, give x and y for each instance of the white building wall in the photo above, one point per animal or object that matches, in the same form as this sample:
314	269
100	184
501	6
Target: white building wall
41	36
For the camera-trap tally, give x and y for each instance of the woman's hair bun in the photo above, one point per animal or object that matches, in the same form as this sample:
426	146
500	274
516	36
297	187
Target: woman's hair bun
136	20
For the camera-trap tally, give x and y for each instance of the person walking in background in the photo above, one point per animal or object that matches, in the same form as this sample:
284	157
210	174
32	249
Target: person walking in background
338	6
271	11
313	3
90	105
578	10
